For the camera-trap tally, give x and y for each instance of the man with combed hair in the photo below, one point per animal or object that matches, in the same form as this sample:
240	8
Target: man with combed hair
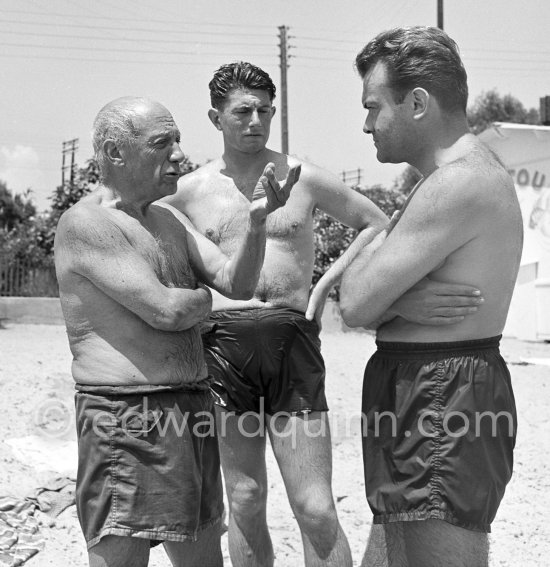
264	354
132	281
437	463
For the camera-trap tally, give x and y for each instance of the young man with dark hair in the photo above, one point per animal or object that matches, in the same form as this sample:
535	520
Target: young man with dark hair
437	463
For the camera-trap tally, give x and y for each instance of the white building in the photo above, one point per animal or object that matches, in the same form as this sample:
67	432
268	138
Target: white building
525	150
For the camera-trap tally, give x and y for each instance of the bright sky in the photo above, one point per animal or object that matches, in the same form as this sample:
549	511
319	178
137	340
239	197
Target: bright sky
62	60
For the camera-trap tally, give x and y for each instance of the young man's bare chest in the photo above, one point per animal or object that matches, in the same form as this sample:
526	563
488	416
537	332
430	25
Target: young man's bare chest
220	211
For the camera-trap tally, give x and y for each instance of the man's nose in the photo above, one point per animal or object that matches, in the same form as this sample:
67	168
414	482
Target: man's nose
254	118
366	128
177	153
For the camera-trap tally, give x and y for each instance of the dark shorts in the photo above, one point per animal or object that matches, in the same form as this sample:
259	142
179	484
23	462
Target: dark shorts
148	465
265	360
439	433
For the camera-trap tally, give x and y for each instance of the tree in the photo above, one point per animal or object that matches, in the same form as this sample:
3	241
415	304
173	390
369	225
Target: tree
405	182
491	107
14	209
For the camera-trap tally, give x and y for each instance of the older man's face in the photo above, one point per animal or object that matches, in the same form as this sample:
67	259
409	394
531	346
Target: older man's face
154	158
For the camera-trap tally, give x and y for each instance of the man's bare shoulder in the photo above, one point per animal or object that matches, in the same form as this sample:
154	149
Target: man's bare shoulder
87	224
191	183
473	178
202	174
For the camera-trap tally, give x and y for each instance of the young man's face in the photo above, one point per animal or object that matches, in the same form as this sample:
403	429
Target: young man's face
245	119
154	158
387	121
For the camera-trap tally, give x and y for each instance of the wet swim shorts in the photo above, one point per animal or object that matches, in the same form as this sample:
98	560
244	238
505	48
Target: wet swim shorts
148	464
266	359
439	432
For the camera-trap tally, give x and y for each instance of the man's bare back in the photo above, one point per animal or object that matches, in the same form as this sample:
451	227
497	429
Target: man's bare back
111	344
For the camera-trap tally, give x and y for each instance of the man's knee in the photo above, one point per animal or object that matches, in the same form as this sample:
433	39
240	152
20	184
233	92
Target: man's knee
247	498
116	551
315	512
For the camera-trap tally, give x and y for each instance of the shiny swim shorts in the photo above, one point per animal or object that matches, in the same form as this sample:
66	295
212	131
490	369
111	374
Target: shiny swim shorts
265	359
439	431
148	464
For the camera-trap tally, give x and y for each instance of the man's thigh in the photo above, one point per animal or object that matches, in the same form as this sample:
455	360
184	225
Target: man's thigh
116	551
303	449
427	543
205	552
241	438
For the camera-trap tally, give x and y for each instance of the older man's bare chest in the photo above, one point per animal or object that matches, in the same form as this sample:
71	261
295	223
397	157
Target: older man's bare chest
163	244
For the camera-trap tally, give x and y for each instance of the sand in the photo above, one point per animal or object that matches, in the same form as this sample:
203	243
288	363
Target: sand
37	390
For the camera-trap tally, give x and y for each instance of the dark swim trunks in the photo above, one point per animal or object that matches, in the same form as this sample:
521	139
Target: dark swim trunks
148	464
439	432
265	360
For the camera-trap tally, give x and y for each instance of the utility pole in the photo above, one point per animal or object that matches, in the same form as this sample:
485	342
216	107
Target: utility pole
68	147
284	103
440	14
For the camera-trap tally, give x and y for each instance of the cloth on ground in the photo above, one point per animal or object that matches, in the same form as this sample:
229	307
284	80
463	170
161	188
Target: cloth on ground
20	537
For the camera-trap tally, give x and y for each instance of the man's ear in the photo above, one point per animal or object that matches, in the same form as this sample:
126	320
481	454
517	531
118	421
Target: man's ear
420	102
112	153
273	111
214	115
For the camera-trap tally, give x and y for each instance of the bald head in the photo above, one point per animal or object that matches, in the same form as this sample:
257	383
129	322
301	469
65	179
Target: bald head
118	121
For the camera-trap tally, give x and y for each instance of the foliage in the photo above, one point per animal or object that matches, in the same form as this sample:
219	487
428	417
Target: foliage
331	237
14	209
405	182
25	235
491	107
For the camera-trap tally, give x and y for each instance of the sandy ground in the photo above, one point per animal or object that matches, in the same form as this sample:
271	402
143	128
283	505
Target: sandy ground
37	390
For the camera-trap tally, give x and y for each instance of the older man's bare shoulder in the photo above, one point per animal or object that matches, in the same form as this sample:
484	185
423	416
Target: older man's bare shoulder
88	225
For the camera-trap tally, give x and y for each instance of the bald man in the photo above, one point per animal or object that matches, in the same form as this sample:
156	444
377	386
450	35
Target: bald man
132	280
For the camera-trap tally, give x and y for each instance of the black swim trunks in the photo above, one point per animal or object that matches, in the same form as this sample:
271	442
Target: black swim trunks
148	463
439	432
265	359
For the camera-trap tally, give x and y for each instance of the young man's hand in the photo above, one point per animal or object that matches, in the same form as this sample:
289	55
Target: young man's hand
269	195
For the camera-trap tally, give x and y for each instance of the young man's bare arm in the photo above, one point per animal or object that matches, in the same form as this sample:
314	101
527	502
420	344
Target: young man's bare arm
350	208
93	246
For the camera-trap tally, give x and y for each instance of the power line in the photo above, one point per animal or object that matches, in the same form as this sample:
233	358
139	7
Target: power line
139	20
137	39
115	60
111	49
119	29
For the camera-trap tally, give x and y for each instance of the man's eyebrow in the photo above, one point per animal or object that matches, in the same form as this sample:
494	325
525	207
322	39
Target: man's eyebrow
168	133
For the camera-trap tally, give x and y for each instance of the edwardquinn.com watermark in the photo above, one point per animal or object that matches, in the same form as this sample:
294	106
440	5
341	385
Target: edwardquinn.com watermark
147	421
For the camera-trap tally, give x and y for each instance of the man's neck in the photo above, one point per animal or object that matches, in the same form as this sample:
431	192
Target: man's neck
240	163
443	145
111	198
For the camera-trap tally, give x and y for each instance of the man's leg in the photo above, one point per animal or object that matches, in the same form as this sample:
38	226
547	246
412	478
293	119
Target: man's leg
427	543
386	546
302	447
205	552
116	551
242	451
